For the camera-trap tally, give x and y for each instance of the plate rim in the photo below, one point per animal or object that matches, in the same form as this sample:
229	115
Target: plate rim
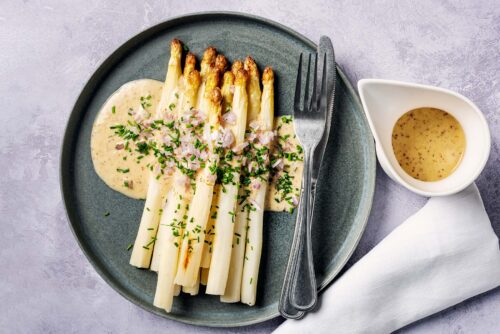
74	118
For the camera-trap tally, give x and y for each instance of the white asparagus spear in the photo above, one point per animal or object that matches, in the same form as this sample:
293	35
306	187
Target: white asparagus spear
253	248
254	92
172	222
228	194
207	64
173	211
227	100
141	253
165	287
232	292
199	210
206	257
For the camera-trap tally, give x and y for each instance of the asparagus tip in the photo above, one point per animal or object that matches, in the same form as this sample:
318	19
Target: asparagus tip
221	62
194	78
189	64
228	78
241	77
216	95
209	55
251	67
237	65
268	75
176	46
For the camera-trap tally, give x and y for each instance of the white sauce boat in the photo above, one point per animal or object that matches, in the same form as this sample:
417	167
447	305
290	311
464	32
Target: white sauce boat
384	101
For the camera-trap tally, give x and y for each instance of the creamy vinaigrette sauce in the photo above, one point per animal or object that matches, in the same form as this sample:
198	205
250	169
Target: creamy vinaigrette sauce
429	143
285	184
119	164
123	168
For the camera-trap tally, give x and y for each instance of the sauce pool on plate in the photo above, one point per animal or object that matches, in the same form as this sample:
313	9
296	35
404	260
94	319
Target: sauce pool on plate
429	143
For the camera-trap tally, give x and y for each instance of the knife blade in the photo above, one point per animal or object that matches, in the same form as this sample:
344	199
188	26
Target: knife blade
325	46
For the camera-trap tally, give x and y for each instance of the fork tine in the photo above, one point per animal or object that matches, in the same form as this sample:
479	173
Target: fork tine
323	98
306	95
315	75
296	101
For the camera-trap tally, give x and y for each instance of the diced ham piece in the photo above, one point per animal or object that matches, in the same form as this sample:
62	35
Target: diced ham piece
229	118
255	184
254	125
253	165
203	155
186	139
187	149
194	165
194	121
167	140
226	138
169	117
140	115
201	115
251	137
240	147
278	163
265	137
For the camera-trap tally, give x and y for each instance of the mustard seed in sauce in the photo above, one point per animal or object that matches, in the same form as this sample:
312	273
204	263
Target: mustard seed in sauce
428	143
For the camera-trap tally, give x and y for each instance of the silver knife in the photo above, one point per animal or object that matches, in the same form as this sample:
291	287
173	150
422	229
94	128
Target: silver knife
325	46
285	306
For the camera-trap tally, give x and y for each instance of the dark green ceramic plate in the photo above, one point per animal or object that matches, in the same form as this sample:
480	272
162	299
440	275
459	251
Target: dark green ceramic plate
345	189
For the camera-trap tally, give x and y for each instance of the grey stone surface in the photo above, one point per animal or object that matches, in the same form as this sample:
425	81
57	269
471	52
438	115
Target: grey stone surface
48	49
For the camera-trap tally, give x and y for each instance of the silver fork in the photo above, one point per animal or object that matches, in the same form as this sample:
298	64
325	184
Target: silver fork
309	122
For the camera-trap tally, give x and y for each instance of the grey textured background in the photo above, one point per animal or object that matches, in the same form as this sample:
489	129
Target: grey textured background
48	49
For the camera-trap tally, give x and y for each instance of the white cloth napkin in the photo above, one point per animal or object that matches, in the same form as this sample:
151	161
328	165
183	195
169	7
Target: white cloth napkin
444	254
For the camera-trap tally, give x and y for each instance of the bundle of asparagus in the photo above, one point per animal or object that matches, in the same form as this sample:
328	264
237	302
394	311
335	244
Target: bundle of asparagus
213	140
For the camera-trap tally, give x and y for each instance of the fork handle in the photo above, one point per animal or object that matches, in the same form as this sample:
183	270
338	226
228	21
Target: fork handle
285	307
303	293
